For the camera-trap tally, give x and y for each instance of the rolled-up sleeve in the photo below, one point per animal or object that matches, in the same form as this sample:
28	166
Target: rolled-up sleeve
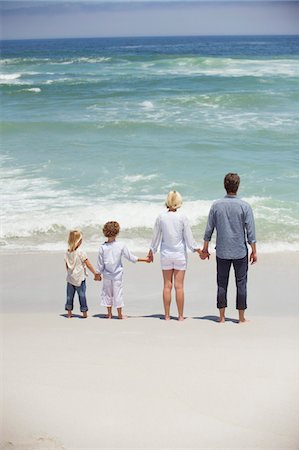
188	236
157	236
250	226
210	225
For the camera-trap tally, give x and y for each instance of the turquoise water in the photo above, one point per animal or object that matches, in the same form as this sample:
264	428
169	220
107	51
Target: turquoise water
101	129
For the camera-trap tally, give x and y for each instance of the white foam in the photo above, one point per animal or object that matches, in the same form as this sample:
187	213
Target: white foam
136	178
11	78
146	104
37	90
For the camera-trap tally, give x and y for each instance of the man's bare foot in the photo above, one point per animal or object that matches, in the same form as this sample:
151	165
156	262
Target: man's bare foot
85	315
181	318
167	317
244	321
221	320
69	314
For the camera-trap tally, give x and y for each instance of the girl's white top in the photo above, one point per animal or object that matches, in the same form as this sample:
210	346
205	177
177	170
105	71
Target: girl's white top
109	262
173	234
76	269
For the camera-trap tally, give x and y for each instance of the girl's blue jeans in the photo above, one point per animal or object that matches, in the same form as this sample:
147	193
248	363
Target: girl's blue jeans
70	293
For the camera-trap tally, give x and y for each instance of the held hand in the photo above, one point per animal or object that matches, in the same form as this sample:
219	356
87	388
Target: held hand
253	258
204	254
150	256
97	277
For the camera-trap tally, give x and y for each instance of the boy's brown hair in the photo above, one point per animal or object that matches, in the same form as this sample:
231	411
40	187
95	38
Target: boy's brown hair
231	183
111	229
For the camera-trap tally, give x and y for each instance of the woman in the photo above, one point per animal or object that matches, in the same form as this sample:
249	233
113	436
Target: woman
173	234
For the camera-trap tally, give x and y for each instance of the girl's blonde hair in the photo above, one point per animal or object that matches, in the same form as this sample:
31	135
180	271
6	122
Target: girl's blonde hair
75	238
111	229
174	200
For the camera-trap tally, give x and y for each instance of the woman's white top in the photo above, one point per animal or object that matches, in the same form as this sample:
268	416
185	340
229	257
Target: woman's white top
173	234
76	269
109	262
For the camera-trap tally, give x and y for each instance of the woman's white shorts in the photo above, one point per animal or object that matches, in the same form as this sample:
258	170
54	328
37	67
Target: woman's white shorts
112	293
177	264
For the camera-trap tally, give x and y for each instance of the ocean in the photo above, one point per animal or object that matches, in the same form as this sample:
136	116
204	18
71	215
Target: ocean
101	129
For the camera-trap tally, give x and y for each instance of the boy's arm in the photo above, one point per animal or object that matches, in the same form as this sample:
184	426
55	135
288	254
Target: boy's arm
147	259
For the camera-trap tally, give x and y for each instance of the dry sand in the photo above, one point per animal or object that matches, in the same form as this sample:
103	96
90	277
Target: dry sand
143	383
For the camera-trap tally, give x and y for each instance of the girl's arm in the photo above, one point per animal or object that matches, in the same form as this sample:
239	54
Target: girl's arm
97	276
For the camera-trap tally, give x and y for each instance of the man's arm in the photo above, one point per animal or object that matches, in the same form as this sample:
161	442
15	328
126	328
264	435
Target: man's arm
250	230
253	255
208	234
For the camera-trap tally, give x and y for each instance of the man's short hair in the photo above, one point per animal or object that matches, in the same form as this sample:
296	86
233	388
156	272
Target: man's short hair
231	183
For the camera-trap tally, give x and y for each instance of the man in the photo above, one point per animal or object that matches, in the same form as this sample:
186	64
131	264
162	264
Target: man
234	223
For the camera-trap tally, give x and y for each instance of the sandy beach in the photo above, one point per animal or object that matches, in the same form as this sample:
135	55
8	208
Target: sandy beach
143	383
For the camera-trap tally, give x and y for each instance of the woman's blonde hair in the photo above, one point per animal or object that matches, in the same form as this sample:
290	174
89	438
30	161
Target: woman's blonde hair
111	229
174	200
75	239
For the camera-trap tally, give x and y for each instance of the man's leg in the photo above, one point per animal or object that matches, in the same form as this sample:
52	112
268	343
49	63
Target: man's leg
241	270
223	268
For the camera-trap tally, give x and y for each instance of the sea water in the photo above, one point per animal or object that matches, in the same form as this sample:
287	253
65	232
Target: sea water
101	129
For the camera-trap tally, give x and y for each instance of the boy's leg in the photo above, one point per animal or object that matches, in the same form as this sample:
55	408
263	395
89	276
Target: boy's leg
223	268
241	270
118	301
82	298
107	294
70	292
167	278
179	276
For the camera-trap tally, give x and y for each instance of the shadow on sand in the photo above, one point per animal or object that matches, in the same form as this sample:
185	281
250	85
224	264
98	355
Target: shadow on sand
216	319
74	316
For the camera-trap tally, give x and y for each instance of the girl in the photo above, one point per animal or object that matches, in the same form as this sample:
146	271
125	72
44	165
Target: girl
173	232
76	262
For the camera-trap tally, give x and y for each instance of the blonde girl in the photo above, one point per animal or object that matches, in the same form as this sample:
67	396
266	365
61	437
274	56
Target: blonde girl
76	262
172	233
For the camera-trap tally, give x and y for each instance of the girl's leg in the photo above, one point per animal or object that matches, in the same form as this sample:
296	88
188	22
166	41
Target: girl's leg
82	298
167	277
179	276
69	306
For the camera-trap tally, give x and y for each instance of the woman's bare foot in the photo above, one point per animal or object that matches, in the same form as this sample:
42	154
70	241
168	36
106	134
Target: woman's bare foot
108	316
167	317
181	318
221	320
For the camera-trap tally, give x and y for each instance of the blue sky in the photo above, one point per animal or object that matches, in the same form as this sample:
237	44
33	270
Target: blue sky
24	19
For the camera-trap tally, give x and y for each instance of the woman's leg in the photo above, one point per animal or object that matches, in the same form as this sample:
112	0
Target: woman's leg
167	277
179	276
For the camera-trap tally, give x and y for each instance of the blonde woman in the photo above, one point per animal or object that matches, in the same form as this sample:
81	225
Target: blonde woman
172	233
76	262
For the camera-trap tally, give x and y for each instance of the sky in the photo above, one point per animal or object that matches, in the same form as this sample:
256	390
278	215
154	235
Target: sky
76	18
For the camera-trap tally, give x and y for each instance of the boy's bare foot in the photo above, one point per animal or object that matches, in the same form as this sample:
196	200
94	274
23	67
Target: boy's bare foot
85	315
